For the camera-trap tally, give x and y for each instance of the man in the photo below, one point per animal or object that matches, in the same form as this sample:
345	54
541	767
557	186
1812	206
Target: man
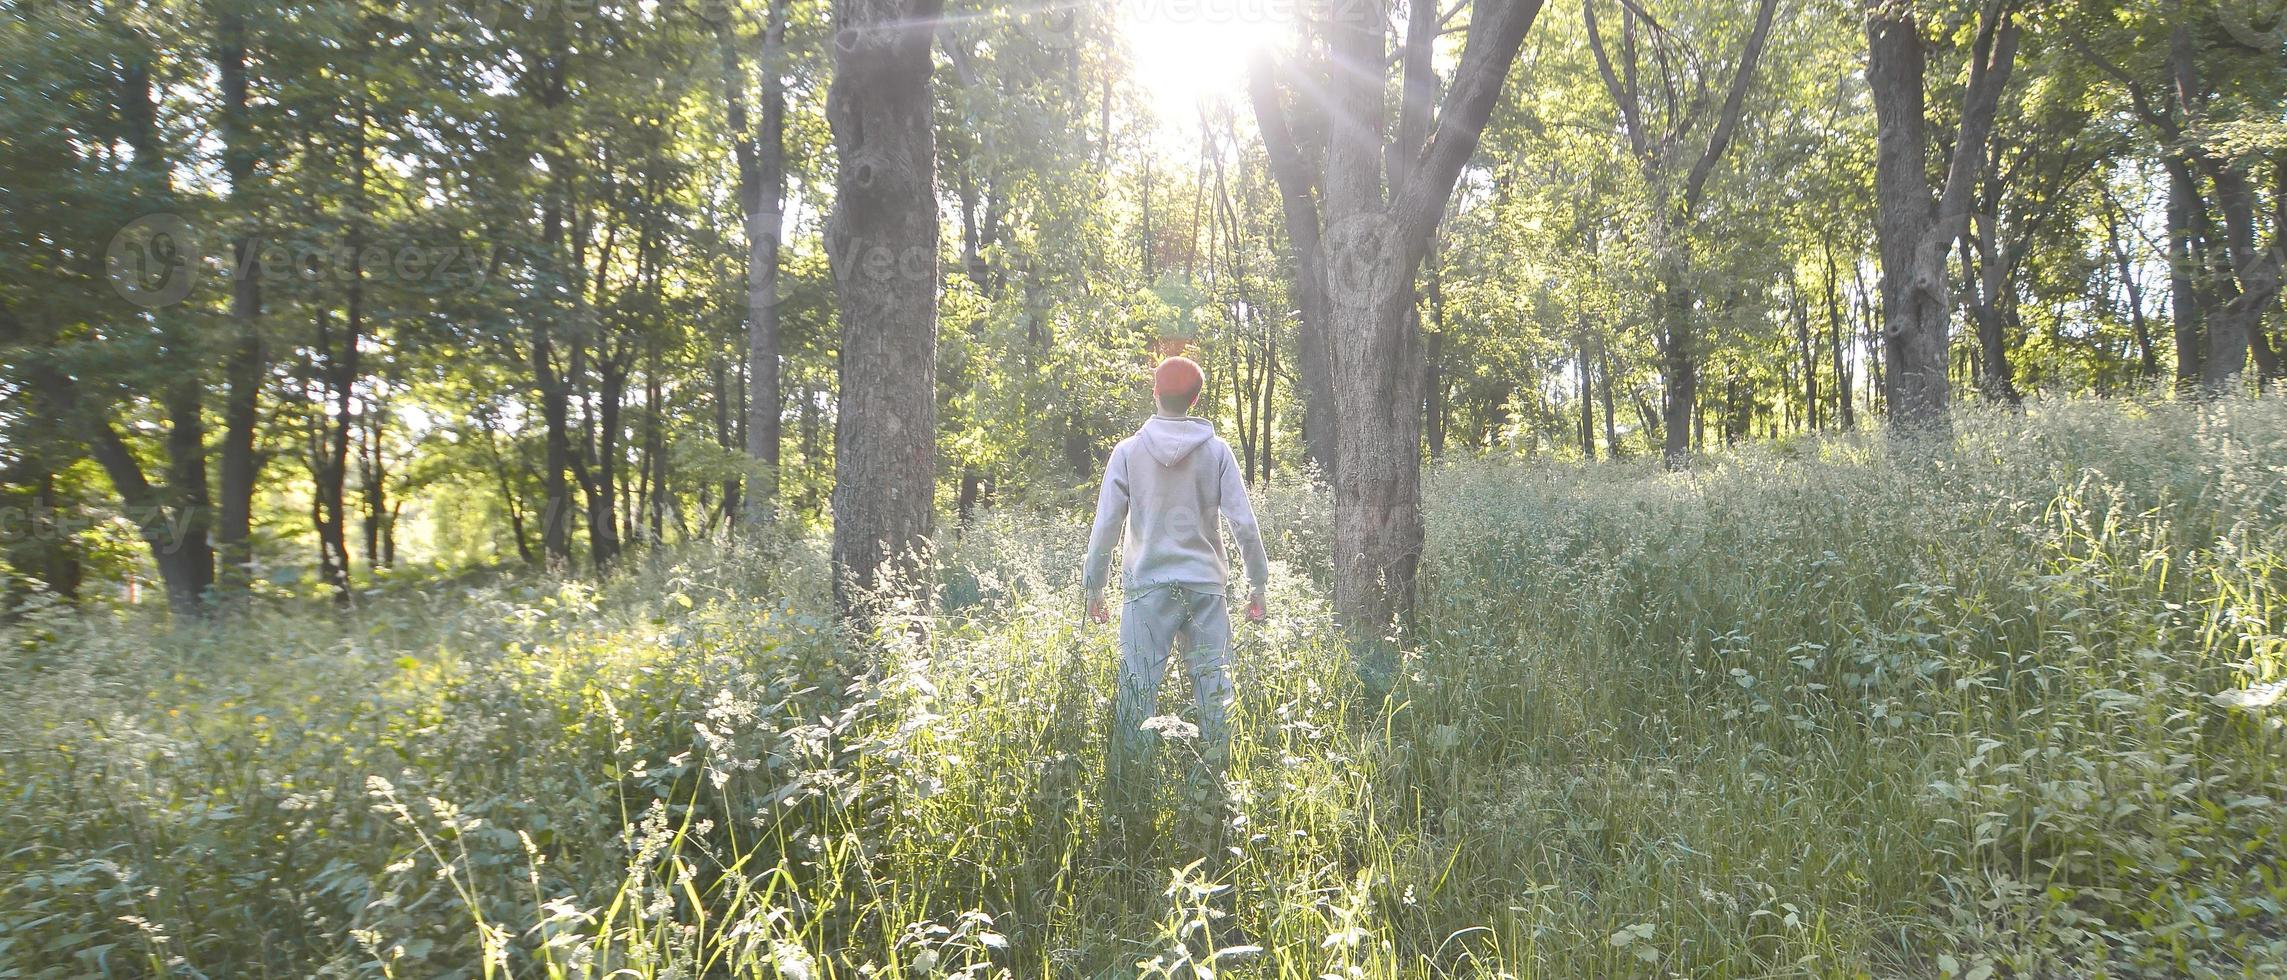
1165	487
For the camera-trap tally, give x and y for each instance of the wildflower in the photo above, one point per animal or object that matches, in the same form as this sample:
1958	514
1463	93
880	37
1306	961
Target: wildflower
1169	726
2251	698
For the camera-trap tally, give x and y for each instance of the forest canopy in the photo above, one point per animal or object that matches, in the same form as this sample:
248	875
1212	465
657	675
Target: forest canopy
308	292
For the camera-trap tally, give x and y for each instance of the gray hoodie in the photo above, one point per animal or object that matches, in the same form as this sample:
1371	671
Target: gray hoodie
1166	484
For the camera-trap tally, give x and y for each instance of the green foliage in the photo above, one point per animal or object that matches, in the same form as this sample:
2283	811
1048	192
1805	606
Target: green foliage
1823	708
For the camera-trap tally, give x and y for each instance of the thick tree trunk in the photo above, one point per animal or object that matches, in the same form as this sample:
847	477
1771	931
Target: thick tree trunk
187	563
882	242
2232	331
175	518
1912	323
1915	228
1369	228
1377	485
1375	234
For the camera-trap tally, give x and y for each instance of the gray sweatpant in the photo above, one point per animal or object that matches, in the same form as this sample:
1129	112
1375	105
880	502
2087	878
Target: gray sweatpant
1154	622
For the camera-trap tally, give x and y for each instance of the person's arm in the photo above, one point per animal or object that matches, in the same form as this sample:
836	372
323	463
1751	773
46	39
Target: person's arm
1111	519
1241	514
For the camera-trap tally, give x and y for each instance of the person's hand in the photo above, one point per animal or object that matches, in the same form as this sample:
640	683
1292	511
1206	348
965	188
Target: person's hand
1096	611
1256	608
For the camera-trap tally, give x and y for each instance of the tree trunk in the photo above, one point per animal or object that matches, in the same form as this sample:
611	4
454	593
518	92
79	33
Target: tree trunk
1915	228
1587	426
2183	283
1681	368
330	462
2233	329
761	159
1675	208
174	519
1604	383
1377	227
602	483
1433	388
1645	417
2147	360
726	384
376	488
882	243
1434	384
240	465
1300	213
1982	265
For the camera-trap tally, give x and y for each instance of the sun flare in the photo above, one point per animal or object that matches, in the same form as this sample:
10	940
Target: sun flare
1188	52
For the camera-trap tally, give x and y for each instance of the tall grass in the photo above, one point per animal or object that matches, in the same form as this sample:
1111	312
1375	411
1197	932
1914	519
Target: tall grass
1818	708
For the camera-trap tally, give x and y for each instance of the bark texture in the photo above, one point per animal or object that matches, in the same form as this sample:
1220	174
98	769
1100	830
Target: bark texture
1368	225
882	242
1915	228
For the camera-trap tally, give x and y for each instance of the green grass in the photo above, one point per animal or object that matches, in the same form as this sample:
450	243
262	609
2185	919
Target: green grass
1815	709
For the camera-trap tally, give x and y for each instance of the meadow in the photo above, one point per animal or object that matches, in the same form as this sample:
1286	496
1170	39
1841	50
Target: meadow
1823	707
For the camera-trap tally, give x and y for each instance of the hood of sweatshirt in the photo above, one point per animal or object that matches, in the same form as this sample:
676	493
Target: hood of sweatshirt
1169	440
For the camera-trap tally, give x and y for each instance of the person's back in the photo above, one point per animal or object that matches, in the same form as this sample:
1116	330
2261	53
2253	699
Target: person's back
1167	489
1171	481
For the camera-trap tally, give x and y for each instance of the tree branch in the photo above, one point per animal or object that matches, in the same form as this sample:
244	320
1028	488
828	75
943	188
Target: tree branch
1497	32
1622	97
1994	54
1733	105
1417	87
1296	190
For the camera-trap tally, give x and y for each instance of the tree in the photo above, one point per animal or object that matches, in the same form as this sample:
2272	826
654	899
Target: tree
239	468
93	336
2196	141
761	155
1369	222
1674	208
1915	228
882	242
1285	144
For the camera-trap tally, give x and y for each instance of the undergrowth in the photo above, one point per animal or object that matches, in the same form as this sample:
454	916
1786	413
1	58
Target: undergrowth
1830	707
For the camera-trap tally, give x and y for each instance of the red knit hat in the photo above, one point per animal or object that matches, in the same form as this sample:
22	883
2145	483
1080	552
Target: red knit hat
1178	379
